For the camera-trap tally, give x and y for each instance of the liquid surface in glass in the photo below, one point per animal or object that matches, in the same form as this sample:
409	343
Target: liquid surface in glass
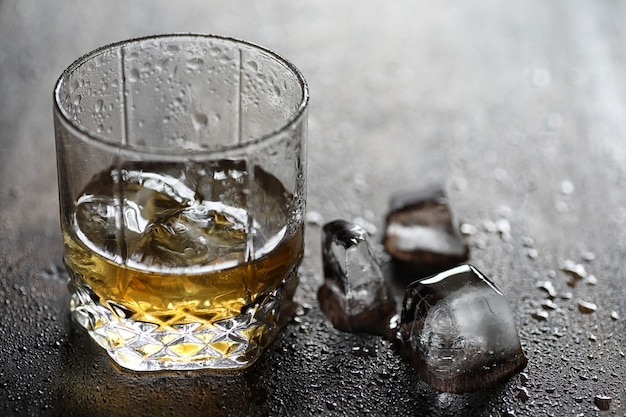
180	248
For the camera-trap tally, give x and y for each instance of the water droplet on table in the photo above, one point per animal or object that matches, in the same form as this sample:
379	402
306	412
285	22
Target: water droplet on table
314	218
586	307
548	287
522	394
468	229
588	256
575	270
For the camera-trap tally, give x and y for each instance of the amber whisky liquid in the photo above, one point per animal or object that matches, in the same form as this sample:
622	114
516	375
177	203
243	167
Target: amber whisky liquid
182	267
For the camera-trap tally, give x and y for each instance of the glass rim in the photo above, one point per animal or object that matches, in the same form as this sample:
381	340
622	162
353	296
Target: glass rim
101	140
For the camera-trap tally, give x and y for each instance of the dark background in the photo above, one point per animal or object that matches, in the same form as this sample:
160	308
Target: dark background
519	107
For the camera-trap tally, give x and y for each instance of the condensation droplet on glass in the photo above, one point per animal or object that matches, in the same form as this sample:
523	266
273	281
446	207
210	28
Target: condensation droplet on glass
159	66
253	65
200	120
133	75
194	63
166	119
540	77
561	207
77	100
277	90
554	121
99	106
99	128
567	187
500	174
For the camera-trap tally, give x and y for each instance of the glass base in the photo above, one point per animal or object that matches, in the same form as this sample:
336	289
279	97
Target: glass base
227	345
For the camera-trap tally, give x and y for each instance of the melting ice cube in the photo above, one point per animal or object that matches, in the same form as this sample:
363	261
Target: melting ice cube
458	331
354	296
420	230
199	235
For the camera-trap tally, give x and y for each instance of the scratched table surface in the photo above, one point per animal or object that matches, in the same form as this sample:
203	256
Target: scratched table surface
519	108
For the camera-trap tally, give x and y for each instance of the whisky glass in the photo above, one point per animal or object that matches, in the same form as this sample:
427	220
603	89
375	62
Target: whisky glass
182	181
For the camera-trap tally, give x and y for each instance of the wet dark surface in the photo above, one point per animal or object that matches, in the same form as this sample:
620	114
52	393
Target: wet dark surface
519	108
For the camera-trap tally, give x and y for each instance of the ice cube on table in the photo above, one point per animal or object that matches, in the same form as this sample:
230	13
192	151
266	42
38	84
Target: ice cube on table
420	230
458	331
355	296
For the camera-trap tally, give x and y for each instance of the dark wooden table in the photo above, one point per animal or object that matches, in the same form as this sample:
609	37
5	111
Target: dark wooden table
519	107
